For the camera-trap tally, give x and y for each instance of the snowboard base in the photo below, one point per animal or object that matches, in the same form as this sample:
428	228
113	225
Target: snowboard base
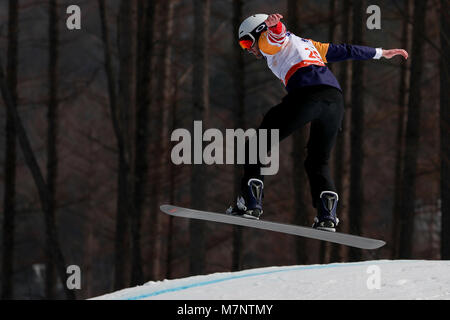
334	237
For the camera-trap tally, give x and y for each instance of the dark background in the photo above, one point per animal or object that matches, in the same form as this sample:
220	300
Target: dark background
86	117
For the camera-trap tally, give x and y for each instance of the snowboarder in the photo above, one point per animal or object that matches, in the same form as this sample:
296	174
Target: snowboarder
314	95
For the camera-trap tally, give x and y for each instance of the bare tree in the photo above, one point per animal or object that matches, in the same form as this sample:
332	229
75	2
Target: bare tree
445	125
125	108
162	106
10	158
200	91
173	172
143	99
38	178
121	106
330	251
357	133
402	103
238	74
52	133
341	176
412	133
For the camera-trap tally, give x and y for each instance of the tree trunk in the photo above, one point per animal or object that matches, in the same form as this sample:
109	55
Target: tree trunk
52	133
200	90
402	99
238	74
89	241
126	104
445	126
38	178
119	117
329	251
412	133
357	133
341	170
172	184
162	107
143	98
10	158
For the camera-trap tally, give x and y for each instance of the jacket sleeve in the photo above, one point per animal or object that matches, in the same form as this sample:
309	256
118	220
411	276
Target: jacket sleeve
339	52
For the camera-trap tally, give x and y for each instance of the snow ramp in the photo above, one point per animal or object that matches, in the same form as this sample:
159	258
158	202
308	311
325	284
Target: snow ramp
368	280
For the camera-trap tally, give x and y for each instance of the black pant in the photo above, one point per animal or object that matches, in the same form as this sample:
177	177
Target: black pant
323	106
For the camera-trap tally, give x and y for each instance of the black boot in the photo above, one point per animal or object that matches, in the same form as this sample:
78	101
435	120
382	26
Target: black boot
326	212
250	204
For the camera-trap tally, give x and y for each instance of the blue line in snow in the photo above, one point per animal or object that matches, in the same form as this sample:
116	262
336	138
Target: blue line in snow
247	275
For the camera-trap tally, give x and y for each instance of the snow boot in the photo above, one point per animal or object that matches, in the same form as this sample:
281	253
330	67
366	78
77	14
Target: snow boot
250	204
326	212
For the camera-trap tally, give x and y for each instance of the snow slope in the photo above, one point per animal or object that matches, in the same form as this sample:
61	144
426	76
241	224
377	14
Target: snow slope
380	279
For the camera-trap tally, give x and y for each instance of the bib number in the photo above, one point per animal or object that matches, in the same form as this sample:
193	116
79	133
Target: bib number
314	57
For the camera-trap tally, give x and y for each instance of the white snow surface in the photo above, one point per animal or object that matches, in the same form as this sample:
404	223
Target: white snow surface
388	280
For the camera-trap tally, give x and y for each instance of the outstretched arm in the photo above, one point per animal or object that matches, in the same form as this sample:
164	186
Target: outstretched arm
339	52
331	52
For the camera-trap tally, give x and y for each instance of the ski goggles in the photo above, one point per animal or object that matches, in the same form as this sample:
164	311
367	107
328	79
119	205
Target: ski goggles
247	41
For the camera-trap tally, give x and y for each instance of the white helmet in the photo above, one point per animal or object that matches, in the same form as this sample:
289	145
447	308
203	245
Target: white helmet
250	29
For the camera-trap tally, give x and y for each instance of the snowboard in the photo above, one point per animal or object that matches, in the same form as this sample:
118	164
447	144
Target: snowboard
335	237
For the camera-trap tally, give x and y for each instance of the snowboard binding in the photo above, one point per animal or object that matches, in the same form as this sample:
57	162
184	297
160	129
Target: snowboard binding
326	218
249	205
